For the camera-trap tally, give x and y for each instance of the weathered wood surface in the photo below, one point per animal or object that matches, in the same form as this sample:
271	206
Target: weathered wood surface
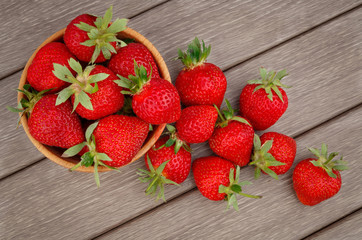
44	201
278	215
348	228
175	33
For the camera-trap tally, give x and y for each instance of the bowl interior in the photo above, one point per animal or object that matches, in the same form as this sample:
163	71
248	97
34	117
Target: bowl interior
54	153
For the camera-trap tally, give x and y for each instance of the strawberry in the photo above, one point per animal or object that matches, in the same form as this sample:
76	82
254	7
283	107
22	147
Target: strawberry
50	124
40	75
166	165
232	138
122	63
263	101
94	88
155	100
217	180
94	39
200	83
317	179
274	154
196	123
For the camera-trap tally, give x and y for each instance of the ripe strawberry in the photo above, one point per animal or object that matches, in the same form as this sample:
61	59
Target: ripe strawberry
122	63
196	123
216	180
263	101
54	125
274	154
317	179
94	88
166	166
112	142
232	138
40	75
94	39
200	83
155	100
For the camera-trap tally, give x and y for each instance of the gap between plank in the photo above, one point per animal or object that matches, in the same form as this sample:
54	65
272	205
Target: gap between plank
195	188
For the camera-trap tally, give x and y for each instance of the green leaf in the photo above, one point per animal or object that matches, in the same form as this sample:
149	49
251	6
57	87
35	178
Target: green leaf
257	142
276	90
84	26
118	26
70	152
87	159
242	120
330	173
103	157
266	146
324	150
75	65
236	188
275	163
89	43
161	167
281	74
98	77
96	174
263	73
97	51
170	128
123	82
170	142
340	167
244	183
12	109
150	127
332	155
62	72
315	152
84	99
64	95
270	173
316	163
89	131
107	17
106	53
257	173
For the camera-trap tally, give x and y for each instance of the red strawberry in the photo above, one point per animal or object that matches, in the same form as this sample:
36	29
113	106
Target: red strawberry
263	101
155	100
122	63
40	75
274	154
120	137
55	125
232	138
196	123
317	179
165	165
94	88
200	83
216	180
93	39
106	101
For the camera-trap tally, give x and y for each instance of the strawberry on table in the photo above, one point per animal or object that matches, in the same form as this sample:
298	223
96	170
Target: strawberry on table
40	73
318	179
154	100
94	39
263	101
274	154
196	123
166	165
217	180
200	83
93	92
122	63
232	138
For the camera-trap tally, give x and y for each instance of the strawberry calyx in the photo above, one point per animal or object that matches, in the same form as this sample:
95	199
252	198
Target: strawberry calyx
195	54
234	189
79	85
326	161
103	33
91	157
174	140
227	115
134	83
262	159
26	105
156	179
270	81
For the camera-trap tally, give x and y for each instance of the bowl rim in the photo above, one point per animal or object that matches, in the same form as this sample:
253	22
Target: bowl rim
48	151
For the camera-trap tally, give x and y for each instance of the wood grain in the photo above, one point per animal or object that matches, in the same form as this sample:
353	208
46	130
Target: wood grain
26	24
42	200
348	228
278	215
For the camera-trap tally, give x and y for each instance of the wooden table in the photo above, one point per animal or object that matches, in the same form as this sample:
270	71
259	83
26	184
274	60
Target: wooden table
318	42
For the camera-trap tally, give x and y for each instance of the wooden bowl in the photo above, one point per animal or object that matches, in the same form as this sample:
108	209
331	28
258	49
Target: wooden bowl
54	153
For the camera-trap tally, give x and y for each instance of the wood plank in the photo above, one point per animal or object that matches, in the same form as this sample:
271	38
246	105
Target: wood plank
331	59
348	228
61	200
278	215
26	24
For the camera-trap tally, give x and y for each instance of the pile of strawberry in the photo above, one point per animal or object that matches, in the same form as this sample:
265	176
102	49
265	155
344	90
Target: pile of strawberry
232	137
98	97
